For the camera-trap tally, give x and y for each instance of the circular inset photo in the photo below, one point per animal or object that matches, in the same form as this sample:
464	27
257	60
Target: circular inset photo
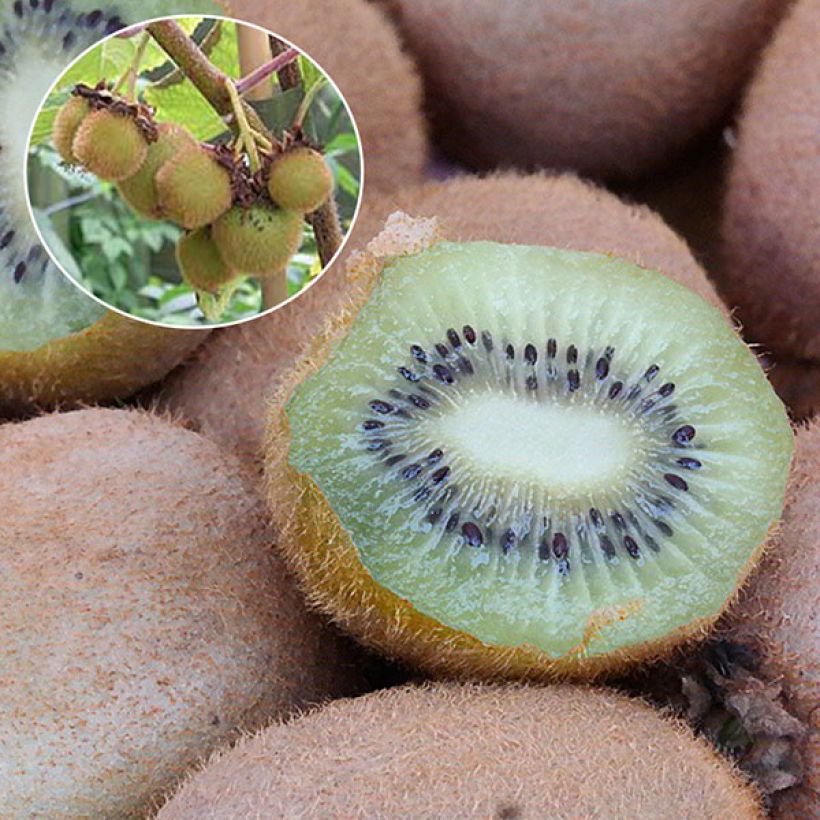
193	171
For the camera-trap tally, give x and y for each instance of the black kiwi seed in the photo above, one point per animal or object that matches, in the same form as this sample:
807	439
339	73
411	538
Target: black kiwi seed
436	485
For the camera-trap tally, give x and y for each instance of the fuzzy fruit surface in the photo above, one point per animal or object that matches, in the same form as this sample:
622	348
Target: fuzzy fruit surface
258	240
300	180
200	263
539	448
66	123
140	190
109	145
193	189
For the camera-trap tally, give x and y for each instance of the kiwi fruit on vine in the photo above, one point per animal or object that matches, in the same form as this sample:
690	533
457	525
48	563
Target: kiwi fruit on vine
771	233
776	616
224	389
465	750
193	189
612	90
109	145
140	190
258	240
145	619
200	262
523	461
381	85
57	345
66	123
300	180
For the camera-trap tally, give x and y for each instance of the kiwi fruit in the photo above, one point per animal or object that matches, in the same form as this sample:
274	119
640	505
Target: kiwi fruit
613	90
66	123
57	344
145	619
225	387
200	263
381	85
450	750
258	240
300	180
140	190
511	460
777	617
798	385
771	233
193	189
109	145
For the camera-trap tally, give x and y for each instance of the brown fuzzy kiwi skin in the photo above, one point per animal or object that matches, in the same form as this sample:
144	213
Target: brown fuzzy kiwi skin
612	90
225	387
771	230
777	615
798	385
140	190
324	558
193	190
109	145
381	85
446	750
144	611
111	359
300	180
66	123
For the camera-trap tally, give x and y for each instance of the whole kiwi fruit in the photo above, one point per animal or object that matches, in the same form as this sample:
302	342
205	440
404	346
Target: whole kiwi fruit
381	85
771	233
109	145
200	263
516	461
777	617
470	751
66	123
798	384
145	619
612	90
300	180
58	346
225	387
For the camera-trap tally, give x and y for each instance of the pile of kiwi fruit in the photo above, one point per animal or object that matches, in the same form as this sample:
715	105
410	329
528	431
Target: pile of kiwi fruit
476	525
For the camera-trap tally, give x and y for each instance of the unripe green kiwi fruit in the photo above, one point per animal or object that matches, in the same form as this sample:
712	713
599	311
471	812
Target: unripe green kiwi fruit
471	751
66	123
145	618
200	263
777	616
226	400
300	180
193	190
258	240
381	85
140	190
612	90
771	230
109	145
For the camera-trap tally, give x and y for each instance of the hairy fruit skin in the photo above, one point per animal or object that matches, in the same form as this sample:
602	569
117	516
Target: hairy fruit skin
258	240
193	190
200	263
66	123
300	180
140	190
445	750
110	146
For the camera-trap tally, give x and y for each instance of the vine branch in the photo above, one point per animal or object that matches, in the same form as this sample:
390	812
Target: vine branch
256	76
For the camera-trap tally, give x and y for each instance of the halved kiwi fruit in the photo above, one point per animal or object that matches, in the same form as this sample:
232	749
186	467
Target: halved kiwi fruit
57	344
501	752
524	461
225	387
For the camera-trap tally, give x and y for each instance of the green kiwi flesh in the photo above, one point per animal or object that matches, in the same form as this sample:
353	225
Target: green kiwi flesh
37	305
520	439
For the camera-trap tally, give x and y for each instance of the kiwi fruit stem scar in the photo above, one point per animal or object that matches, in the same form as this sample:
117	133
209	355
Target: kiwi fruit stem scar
438	517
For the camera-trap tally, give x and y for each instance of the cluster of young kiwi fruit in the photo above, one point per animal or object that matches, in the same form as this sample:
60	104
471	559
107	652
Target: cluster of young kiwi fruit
237	222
